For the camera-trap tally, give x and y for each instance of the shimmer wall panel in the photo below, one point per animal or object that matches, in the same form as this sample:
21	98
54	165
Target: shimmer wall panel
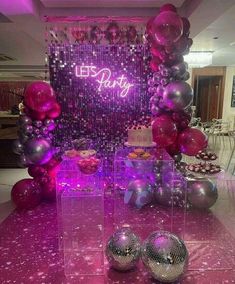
102	90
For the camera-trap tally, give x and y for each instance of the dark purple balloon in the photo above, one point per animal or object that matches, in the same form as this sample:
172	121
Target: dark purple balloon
37	123
178	95
27	129
44	130
18	147
50	124
24	120
36	131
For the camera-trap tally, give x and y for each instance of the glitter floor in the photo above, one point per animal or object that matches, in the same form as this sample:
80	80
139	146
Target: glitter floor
29	243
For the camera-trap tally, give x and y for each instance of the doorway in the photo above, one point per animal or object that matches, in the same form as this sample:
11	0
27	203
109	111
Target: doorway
208	84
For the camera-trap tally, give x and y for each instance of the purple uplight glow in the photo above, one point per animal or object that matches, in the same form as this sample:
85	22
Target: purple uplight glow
104	78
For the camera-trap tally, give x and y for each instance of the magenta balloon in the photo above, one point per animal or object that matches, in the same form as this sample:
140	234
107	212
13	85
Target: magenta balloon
178	95
39	96
191	141
55	111
36	171
164	131
26	194
167	28
168	7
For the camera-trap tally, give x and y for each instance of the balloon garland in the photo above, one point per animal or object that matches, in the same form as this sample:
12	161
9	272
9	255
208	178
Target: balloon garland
168	35
34	146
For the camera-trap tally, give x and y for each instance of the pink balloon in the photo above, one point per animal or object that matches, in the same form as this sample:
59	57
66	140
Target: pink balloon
39	96
55	111
167	28
154	64
26	194
149	26
36	171
168	7
164	131
191	141
49	190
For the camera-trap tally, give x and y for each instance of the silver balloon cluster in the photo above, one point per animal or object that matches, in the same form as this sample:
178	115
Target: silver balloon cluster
34	142
170	92
163	254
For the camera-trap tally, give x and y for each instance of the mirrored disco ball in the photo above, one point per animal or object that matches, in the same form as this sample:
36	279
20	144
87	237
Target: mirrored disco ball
165	256
123	249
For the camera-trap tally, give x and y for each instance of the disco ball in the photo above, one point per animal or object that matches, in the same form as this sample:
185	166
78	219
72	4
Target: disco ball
123	249
165	256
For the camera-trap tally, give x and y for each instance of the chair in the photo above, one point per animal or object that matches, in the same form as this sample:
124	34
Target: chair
220	128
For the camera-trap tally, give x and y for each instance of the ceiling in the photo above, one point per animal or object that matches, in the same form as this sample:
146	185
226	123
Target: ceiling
108	3
22	27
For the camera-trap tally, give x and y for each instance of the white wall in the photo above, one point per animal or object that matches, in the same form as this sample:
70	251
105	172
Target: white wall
228	111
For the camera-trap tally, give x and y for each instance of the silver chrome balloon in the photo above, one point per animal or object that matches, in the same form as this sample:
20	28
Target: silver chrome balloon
38	151
123	249
139	193
178	95
165	256
201	192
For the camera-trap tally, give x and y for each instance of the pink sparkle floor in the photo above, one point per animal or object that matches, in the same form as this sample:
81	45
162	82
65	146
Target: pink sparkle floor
29	245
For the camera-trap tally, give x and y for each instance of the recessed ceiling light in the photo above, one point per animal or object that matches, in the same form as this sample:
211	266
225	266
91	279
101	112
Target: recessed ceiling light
232	43
216	37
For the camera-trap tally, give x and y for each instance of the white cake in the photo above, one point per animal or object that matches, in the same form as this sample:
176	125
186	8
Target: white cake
140	136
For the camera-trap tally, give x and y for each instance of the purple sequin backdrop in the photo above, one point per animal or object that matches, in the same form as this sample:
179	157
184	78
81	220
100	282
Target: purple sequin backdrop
104	115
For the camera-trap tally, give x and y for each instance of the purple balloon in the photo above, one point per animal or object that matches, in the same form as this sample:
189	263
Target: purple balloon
44	130
164	81
23	137
24	120
186	76
156	111
50	124
166	72
154	100
38	151
27	129
178	95
36	131
18	147
23	162
179	69
37	123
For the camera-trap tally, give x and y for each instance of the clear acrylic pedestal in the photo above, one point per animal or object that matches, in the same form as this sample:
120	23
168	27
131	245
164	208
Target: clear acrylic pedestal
80	207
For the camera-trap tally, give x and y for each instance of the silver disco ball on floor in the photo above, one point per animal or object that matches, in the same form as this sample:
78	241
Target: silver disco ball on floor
123	249
165	256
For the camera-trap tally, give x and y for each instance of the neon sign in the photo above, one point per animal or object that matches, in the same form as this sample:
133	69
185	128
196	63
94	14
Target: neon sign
104	78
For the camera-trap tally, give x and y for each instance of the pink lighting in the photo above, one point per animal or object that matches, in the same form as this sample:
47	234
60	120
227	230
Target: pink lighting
104	79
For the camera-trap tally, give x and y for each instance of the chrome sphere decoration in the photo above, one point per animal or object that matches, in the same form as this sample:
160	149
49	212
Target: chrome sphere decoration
202	193
139	193
165	256
123	249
